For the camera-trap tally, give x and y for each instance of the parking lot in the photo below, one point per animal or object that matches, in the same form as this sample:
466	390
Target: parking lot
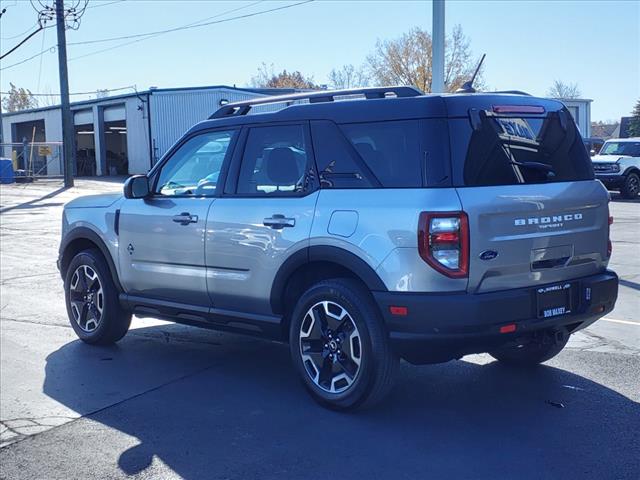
171	401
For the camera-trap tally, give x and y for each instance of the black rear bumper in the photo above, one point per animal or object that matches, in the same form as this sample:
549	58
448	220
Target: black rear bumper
441	327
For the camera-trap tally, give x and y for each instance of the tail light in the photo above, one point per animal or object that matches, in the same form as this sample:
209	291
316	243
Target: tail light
443	242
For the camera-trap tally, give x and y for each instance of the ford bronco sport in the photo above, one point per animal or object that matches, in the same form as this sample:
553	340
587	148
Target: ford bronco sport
361	227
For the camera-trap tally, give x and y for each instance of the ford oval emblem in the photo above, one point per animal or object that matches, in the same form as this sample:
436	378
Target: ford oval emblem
488	255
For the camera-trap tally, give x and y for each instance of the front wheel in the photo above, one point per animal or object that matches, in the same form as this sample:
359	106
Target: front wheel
92	300
533	351
631	186
340	347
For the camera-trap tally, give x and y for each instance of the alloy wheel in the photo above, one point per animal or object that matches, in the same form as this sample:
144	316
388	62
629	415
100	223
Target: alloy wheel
633	185
330	347
86	298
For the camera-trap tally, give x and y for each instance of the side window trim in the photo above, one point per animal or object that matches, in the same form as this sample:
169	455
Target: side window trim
233	177
154	173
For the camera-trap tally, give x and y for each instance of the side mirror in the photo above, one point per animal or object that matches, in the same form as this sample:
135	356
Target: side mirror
136	187
592	152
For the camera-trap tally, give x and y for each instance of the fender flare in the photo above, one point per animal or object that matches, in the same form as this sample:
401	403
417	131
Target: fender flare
323	253
84	233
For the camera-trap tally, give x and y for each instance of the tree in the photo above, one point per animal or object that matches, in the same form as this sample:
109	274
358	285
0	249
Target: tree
348	76
18	99
559	89
267	78
633	130
407	60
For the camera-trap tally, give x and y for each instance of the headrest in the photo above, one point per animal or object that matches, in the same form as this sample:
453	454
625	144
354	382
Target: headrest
282	167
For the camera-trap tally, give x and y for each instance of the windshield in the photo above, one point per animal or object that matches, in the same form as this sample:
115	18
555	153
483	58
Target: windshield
508	150
631	149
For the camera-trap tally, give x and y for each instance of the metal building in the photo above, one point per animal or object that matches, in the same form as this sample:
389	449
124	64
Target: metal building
120	135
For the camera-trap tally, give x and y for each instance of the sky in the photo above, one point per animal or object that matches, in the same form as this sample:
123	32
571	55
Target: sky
529	44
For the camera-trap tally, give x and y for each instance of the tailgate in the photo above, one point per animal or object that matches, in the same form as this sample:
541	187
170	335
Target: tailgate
523	235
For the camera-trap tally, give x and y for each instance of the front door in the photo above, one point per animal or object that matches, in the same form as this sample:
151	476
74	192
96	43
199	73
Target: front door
266	217
162	238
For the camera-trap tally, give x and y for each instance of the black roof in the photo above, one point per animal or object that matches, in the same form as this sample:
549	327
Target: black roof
379	109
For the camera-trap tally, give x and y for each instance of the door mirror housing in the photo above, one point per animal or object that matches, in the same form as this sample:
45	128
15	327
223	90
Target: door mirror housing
137	186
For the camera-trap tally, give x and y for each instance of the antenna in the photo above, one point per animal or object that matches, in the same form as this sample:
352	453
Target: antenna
467	87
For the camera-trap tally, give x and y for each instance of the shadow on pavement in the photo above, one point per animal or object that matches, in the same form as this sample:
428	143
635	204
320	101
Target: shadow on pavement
30	203
246	415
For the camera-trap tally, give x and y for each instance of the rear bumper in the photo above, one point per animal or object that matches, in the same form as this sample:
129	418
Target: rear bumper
440	327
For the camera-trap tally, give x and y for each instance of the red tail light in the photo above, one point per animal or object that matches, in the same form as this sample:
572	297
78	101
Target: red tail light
443	242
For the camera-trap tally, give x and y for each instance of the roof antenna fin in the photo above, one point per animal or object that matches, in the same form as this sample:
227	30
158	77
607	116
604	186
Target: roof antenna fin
467	87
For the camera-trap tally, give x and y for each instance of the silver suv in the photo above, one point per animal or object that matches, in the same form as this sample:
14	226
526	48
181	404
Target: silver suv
361	227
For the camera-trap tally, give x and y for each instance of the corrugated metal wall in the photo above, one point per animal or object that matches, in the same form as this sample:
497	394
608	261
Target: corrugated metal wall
173	113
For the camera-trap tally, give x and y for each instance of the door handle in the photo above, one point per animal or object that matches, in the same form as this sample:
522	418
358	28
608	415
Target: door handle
185	218
278	221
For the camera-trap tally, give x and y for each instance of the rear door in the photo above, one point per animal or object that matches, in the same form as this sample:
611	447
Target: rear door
264	217
536	214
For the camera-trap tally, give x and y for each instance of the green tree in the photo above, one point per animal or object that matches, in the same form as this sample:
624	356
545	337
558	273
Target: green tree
268	78
634	125
18	99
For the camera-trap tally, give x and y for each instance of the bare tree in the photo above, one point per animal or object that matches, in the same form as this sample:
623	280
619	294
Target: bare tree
559	89
268	78
18	99
348	76
407	60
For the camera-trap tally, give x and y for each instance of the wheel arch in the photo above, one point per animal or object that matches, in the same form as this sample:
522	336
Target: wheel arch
83	238
316	263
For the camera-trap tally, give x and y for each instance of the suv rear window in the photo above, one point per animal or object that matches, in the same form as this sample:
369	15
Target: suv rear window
509	150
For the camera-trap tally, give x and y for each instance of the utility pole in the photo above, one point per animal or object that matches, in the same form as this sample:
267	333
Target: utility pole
67	119
437	46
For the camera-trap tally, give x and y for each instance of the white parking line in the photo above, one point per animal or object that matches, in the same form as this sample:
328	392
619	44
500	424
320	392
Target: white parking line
625	322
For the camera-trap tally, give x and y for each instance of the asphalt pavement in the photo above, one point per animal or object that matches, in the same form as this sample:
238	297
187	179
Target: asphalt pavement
170	401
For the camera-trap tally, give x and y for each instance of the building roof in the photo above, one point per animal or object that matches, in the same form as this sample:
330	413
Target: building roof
154	90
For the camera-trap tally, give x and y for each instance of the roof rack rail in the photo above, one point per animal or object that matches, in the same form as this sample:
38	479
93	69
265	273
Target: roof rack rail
242	108
513	92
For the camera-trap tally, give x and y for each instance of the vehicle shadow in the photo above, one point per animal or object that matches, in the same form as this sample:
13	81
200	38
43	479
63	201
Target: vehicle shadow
617	197
244	414
32	203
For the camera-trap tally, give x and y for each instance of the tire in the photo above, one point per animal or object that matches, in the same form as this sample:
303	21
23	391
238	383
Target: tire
631	186
536	350
344	364
92	301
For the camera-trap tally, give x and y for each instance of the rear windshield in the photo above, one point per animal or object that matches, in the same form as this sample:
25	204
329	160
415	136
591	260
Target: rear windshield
513	150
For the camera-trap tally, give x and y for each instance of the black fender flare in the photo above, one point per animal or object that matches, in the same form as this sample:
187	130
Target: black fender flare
322	253
84	233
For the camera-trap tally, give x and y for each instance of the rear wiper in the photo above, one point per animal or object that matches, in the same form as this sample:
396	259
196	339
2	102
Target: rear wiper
536	166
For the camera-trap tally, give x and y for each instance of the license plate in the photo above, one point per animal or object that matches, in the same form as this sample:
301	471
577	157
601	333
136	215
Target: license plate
554	301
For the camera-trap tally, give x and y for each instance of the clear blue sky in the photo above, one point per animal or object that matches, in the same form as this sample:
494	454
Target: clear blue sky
595	44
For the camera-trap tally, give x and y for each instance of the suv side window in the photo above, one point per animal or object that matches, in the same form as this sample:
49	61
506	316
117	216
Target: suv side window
392	150
339	165
194	168
275	161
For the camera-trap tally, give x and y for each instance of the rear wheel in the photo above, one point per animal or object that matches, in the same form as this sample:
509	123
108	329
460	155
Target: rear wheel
631	186
533	351
340	347
92	300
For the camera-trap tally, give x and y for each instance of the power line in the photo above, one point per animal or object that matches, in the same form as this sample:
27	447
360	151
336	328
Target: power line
21	34
21	43
187	27
130	87
105	4
151	34
158	34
